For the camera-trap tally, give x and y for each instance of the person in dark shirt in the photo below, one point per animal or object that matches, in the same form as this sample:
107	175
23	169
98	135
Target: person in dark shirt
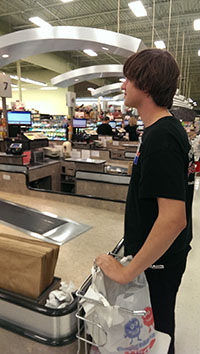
131	129
158	216
105	128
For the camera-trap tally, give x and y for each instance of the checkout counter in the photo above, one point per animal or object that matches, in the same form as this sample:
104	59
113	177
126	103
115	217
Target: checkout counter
97	171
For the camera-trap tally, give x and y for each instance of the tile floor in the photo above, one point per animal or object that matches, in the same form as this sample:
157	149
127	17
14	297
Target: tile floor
187	309
75	261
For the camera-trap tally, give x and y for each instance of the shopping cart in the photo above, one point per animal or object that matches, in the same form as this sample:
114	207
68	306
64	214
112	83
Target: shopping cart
98	331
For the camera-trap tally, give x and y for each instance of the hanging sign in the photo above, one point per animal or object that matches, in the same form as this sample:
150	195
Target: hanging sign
5	86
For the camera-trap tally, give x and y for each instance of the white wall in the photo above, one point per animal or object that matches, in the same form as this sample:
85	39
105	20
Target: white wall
50	102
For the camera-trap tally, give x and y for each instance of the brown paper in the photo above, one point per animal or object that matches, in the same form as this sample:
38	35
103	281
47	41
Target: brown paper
27	265
46	277
54	248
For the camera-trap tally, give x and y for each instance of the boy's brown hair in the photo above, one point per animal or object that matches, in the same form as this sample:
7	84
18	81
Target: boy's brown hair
156	72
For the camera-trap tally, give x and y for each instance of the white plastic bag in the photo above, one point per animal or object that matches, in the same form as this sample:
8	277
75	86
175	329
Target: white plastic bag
122	331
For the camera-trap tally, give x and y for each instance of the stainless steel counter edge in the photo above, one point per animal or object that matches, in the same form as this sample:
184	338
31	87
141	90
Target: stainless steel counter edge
23	168
13	168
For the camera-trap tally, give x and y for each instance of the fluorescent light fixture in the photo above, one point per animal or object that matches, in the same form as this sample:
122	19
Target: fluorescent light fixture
90	89
104	48
122	79
160	44
66	0
90	52
137	8
49	88
5	56
199	52
196	24
17	89
29	81
39	22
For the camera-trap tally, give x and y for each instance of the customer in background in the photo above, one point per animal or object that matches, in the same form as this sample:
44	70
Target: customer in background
131	129
105	128
158	217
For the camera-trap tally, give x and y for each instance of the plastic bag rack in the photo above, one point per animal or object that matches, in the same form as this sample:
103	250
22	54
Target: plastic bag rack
82	322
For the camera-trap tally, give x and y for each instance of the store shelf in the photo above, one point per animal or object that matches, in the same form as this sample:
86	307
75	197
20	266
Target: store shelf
51	133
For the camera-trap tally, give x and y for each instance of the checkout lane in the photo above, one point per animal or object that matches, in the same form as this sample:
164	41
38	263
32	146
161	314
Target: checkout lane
56	167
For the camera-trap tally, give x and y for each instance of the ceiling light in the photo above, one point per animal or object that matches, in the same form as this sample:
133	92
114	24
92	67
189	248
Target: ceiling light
196	24
17	89
122	79
137	8
5	55
90	52
49	88
39	22
104	48
76	80
91	89
29	81
66	0
199	52
160	44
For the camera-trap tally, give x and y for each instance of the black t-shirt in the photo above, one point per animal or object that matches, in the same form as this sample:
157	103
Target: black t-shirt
133	136
104	129
163	167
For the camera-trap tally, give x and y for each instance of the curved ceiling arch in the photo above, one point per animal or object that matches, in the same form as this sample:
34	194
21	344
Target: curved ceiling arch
21	44
87	73
119	97
107	89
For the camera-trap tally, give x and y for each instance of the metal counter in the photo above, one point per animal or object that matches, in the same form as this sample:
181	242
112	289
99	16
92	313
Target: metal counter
45	226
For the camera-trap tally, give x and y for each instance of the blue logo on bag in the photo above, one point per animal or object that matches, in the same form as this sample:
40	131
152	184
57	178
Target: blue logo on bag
133	329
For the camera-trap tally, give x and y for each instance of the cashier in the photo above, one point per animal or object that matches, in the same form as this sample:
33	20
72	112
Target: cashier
131	129
105	128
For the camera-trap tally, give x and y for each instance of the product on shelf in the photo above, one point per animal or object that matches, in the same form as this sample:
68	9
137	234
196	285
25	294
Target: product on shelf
54	129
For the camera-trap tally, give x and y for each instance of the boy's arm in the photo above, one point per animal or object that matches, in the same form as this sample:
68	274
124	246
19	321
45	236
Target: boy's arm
170	222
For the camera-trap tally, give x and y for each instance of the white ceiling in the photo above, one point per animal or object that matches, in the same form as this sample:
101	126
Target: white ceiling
114	15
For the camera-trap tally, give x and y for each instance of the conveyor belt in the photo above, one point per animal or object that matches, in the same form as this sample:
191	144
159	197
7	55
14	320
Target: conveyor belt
40	225
27	219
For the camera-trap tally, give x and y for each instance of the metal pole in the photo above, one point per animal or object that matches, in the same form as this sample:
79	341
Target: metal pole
170	15
153	24
182	54
19	79
189	89
185	71
177	37
118	16
188	77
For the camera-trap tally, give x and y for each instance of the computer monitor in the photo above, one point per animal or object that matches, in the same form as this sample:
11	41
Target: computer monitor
118	124
19	118
113	124
79	123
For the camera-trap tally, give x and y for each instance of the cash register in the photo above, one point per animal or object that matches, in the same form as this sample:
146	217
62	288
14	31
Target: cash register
15	149
34	140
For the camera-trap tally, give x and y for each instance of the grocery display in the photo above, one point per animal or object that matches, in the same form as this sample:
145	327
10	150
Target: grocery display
54	129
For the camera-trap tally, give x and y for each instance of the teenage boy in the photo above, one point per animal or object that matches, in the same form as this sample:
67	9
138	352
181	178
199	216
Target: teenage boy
158	224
